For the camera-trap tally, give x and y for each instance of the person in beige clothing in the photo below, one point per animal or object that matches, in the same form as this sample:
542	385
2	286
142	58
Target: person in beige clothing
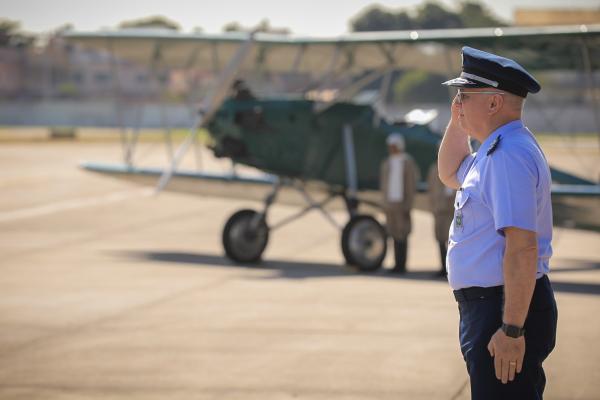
398	184
441	202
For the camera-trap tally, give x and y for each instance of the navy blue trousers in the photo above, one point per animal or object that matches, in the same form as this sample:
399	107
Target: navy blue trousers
481	318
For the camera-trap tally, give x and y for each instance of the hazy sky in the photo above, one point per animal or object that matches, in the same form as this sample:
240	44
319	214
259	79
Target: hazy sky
314	17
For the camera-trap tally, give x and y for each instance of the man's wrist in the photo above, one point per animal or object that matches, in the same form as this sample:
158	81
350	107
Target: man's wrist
512	331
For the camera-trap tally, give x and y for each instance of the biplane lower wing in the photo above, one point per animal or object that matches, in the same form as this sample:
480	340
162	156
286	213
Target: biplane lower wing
580	191
229	185
575	205
192	182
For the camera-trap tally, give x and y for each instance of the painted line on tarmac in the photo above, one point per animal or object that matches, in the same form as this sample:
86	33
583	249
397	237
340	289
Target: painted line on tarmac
73	204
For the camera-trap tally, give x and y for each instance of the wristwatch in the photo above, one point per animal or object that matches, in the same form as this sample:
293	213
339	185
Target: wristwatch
513	331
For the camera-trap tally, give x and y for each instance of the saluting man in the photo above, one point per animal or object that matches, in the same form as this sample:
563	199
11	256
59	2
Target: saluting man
398	183
441	202
500	237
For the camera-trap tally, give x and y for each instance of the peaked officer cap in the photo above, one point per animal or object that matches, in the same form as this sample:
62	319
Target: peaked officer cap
481	69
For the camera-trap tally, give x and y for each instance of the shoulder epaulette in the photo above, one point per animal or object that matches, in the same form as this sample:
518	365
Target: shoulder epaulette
494	145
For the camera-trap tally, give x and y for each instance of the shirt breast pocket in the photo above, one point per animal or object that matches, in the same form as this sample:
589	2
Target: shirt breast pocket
462	217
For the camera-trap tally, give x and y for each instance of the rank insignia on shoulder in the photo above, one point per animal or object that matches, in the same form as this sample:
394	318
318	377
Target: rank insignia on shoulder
494	145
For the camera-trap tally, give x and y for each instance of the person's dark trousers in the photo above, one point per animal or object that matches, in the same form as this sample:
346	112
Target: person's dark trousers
443	250
481	318
400	253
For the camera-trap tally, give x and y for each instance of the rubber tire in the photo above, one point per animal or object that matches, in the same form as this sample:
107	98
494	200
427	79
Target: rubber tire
229	247
350	258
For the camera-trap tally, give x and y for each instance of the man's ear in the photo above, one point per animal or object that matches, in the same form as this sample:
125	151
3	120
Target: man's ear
495	104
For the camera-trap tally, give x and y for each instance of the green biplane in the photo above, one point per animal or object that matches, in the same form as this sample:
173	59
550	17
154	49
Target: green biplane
323	138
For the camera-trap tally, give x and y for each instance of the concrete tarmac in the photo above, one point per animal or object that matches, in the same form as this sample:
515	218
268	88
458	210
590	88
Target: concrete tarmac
108	292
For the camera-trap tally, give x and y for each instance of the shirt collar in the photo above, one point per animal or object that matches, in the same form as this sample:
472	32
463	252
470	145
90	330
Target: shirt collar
503	130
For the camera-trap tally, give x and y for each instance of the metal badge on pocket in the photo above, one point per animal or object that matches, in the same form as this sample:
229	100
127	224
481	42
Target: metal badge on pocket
458	219
461	198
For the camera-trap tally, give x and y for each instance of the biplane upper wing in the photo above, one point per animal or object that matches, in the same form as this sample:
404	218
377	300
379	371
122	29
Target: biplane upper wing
353	51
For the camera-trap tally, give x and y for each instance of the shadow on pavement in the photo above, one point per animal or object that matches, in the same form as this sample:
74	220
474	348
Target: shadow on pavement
288	269
573	265
576	287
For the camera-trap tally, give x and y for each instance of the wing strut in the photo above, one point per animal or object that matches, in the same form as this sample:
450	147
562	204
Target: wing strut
119	105
193	80
350	158
380	104
589	72
209	106
294	68
349	92
324	81
157	62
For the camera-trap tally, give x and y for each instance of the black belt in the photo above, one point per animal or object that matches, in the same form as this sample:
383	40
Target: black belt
478	293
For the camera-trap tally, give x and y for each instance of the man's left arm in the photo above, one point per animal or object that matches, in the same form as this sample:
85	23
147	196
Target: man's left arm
512	197
520	266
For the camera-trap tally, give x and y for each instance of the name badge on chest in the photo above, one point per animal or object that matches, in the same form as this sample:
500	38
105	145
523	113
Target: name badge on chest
459	219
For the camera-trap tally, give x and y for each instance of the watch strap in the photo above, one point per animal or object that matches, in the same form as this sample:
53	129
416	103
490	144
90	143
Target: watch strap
513	331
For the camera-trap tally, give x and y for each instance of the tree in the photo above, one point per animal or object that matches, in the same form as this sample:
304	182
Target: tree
474	15
155	21
233	27
376	18
262	26
63	29
11	35
432	15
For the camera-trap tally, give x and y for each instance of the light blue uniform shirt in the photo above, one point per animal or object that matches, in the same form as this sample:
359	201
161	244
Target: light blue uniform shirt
509	187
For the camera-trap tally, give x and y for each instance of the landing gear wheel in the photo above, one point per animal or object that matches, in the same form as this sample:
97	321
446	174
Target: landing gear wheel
364	242
245	236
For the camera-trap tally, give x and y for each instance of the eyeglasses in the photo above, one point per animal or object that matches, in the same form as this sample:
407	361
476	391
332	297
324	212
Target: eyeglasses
460	94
